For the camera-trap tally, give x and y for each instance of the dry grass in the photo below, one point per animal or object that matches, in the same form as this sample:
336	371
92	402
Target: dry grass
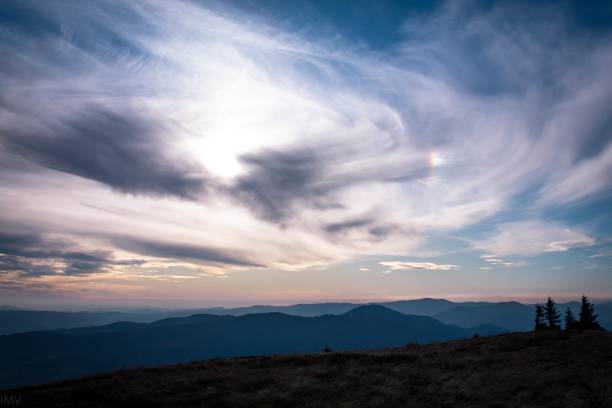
551	369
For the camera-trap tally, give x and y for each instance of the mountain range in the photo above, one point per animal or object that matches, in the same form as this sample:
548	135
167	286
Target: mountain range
512	316
39	357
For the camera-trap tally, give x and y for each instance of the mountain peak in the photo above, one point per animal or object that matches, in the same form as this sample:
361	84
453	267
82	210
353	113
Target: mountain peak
372	312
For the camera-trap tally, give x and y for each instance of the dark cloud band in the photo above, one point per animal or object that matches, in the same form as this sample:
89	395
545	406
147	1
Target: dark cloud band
120	150
22	252
194	253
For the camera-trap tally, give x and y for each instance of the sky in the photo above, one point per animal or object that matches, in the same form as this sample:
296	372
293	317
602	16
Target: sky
200	153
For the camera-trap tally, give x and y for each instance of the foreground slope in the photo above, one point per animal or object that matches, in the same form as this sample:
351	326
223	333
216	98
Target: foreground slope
550	369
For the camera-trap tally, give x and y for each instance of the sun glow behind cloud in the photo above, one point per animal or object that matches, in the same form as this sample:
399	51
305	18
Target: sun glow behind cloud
435	159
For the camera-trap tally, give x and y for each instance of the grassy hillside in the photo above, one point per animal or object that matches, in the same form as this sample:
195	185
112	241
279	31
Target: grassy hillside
550	369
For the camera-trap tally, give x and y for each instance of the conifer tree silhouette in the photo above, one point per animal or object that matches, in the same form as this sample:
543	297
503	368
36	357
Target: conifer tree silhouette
570	321
552	315
588	318
539	318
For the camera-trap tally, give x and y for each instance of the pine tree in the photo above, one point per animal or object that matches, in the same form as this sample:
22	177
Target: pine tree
552	315
539	318
588	318
570	321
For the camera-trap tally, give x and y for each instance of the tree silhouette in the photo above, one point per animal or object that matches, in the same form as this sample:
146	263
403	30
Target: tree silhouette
588	318
552	315
539	318
570	321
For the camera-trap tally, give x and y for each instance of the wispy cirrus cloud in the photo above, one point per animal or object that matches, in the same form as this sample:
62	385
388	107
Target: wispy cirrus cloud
32	255
208	137
407	266
586	179
530	238
602	254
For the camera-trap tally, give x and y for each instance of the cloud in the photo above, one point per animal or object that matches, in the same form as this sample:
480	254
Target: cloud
117	149
531	238
496	261
279	179
195	253
279	183
602	254
491	259
294	152
34	255
370	227
339	227
404	266
587	178
562	246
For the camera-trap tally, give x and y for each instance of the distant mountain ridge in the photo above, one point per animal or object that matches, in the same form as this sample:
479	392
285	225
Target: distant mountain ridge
38	357
422	307
513	316
22	321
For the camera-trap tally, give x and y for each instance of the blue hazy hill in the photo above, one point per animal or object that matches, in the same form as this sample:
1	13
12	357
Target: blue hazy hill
39	357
